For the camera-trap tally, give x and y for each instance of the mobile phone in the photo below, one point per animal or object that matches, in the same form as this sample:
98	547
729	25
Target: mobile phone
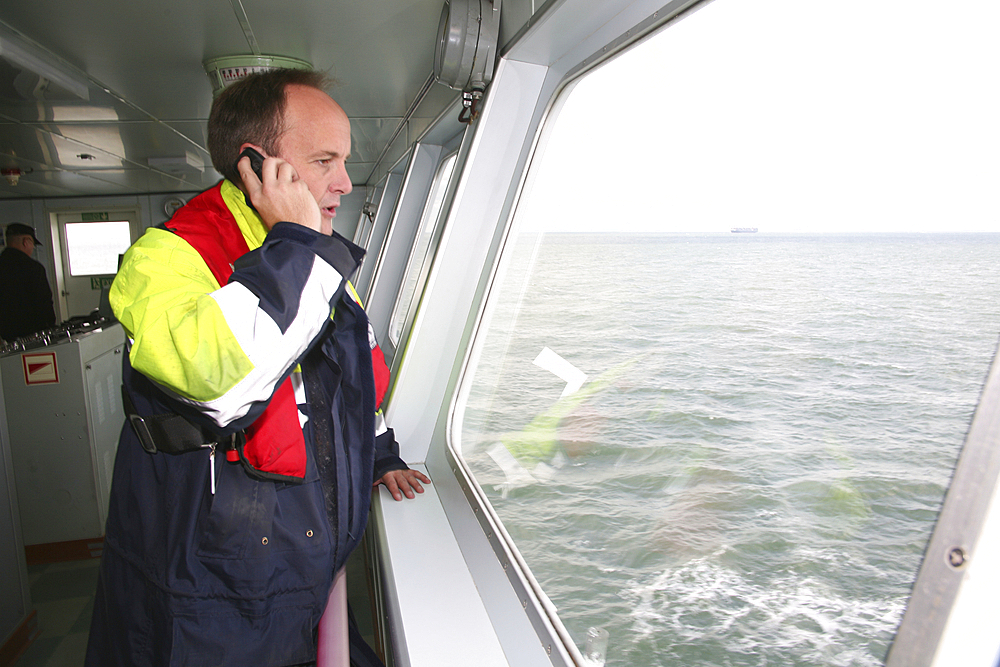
256	162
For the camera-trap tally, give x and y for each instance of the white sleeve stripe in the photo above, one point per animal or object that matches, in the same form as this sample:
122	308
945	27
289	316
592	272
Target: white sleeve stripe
261	340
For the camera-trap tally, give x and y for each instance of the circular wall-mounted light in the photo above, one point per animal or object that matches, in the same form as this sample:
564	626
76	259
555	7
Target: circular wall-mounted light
230	69
466	50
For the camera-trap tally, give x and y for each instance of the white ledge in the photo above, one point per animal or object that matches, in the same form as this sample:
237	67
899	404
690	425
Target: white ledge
436	614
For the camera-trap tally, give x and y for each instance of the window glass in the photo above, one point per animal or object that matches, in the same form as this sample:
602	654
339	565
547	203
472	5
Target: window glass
93	247
420	245
740	327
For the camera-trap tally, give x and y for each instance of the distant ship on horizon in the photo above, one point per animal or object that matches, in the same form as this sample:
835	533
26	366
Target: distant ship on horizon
744	230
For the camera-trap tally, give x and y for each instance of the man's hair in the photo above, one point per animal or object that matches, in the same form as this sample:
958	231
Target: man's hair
252	111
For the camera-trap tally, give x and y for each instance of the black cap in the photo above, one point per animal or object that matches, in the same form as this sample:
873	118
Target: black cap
17	229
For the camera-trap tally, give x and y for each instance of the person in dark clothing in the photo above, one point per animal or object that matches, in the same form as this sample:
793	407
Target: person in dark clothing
252	382
25	295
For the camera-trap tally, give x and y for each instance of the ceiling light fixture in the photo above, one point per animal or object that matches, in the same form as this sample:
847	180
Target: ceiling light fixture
27	55
230	69
175	164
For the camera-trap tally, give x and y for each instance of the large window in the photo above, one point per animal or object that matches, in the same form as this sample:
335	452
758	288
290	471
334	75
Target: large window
728	446
419	255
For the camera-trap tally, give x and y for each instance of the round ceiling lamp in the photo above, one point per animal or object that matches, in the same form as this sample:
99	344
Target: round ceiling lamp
230	69
466	51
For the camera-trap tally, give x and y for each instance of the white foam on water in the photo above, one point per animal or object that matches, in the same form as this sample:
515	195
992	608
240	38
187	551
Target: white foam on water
787	620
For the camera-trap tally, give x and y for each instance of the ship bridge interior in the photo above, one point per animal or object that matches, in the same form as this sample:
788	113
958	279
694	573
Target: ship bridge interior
452	107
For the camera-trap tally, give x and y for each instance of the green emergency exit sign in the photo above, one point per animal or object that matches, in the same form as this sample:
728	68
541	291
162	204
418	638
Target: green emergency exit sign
96	216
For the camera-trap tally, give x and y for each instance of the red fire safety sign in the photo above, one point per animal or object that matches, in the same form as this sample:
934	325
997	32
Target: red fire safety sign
40	368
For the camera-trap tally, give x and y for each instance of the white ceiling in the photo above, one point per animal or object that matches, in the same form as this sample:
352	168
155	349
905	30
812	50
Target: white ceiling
149	96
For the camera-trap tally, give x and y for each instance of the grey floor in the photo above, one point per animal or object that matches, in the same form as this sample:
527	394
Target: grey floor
62	595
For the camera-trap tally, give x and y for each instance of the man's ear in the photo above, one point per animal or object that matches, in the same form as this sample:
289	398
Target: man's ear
257	148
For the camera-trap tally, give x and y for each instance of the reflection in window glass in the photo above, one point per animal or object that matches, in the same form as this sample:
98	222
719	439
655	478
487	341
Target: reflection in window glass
730	447
94	247
418	255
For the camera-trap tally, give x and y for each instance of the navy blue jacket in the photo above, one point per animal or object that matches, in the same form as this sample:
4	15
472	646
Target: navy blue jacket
241	576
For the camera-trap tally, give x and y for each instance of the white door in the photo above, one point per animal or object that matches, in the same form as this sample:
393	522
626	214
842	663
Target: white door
90	242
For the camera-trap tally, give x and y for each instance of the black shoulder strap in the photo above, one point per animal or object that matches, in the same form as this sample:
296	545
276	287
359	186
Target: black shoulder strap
169	433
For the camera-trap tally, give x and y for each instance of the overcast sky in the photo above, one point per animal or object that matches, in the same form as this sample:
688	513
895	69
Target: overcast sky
786	115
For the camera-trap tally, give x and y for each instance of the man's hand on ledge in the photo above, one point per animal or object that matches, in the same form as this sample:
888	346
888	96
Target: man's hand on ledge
403	482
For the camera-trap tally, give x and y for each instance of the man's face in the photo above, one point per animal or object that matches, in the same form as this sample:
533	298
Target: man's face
317	142
25	244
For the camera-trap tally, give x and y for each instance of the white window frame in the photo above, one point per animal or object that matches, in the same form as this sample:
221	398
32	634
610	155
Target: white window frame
562	41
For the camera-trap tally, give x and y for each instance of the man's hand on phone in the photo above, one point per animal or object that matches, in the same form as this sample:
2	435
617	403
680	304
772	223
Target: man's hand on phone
279	195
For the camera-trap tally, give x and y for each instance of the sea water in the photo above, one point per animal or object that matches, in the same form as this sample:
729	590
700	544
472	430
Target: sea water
751	468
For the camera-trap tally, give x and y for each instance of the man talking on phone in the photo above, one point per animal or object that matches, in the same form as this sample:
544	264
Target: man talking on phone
245	468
